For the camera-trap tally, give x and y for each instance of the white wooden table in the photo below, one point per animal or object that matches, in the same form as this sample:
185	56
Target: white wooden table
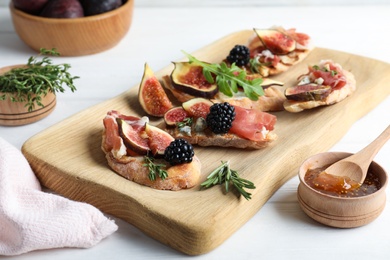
280	230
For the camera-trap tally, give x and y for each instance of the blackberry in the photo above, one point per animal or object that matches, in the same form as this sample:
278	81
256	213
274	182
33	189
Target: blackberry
220	118
179	151
239	55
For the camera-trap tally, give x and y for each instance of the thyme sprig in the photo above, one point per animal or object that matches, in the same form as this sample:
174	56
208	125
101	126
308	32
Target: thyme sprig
35	80
225	175
228	79
155	169
186	122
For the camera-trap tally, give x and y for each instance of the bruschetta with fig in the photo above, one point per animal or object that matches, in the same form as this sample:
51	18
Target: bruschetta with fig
325	83
204	123
275	50
148	155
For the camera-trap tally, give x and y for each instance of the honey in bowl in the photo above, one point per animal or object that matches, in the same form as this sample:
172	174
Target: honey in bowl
341	210
340	186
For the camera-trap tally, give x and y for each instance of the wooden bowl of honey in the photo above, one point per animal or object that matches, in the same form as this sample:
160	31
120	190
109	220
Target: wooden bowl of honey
335	202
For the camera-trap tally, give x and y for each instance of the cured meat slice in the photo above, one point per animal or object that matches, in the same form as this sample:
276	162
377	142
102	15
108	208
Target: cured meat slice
252	124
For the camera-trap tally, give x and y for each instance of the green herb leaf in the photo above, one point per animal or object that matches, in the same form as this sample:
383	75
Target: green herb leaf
186	122
230	78
155	169
38	77
208	76
223	174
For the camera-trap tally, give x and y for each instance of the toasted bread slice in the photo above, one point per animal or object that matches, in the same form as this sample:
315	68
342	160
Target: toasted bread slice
181	176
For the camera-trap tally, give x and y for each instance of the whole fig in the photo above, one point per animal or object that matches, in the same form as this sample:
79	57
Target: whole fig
92	7
28	6
63	9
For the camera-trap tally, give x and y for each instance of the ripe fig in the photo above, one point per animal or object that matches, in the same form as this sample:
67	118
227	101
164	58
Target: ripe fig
175	115
307	92
92	7
132	138
189	78
151	94
28	6
62	9
158	140
197	107
275	41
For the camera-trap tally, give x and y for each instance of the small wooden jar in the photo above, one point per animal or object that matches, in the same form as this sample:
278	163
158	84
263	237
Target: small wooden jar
16	113
341	212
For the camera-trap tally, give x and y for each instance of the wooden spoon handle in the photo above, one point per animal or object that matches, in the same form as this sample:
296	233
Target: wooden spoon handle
372	149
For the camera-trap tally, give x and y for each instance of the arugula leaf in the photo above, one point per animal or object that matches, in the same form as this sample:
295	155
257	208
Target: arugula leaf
228	79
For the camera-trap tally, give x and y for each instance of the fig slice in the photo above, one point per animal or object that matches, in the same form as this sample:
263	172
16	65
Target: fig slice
159	140
175	115
307	92
152	96
188	78
275	41
132	137
267	82
197	107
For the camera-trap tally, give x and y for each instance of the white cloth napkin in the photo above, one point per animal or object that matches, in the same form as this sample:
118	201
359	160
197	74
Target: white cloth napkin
31	219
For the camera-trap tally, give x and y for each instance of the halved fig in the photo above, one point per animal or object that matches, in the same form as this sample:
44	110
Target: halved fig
307	92
189	78
275	41
175	115
197	107
158	140
151	94
132	138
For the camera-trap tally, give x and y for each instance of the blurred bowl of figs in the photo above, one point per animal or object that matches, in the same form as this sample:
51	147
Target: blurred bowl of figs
72	27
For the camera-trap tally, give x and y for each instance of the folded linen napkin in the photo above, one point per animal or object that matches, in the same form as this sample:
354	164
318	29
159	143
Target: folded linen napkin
31	219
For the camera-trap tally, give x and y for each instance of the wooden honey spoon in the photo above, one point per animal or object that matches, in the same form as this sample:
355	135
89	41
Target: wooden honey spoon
356	166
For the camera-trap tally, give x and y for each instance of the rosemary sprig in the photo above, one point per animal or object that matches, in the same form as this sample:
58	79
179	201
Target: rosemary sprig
228	79
225	175
155	169
35	80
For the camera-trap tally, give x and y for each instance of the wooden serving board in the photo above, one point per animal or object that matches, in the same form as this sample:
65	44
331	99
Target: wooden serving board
67	157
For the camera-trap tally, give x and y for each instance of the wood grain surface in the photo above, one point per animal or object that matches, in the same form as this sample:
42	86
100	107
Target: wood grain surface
67	157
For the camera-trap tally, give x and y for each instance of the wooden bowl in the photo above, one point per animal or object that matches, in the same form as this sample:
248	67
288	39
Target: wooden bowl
341	212
74	36
16	113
